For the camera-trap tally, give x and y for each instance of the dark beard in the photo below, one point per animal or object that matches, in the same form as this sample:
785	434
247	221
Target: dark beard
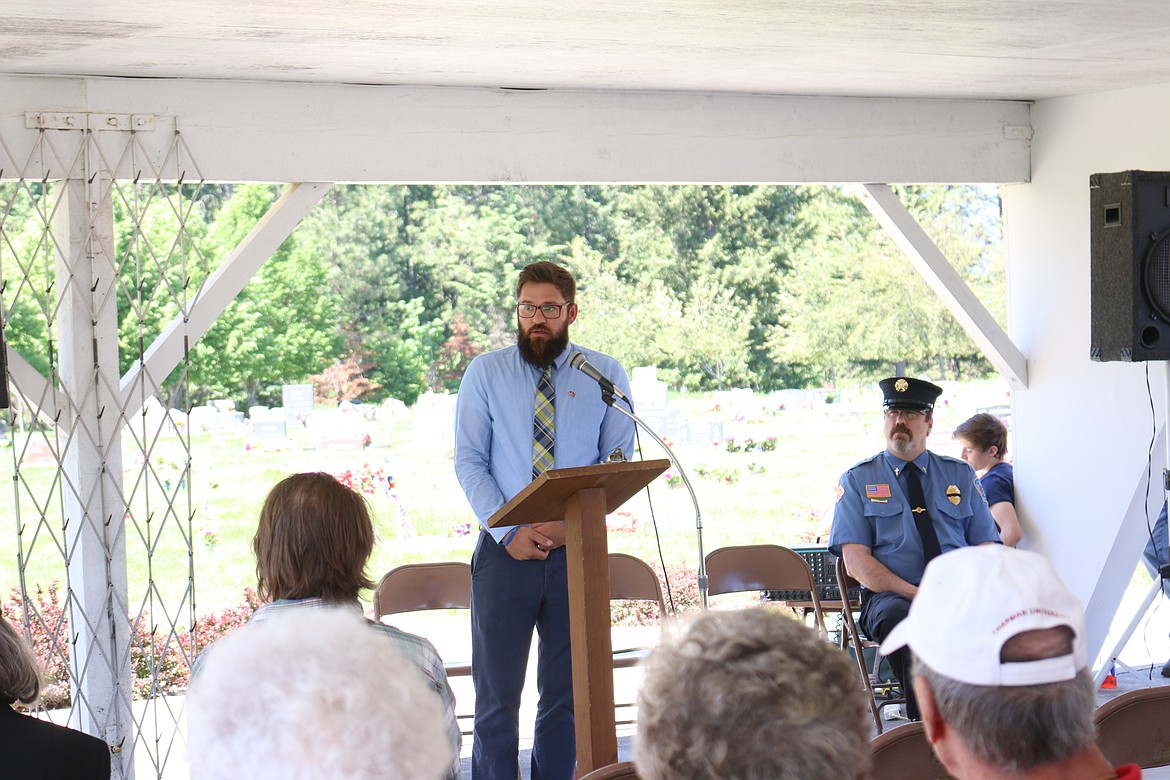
543	353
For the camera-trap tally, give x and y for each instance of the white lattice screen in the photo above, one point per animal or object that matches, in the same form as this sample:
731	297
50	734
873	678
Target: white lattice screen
92	268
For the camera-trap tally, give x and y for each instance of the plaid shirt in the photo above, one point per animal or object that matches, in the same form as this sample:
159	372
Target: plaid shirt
417	650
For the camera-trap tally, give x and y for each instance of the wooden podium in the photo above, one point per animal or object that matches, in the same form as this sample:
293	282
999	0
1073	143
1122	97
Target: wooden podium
582	497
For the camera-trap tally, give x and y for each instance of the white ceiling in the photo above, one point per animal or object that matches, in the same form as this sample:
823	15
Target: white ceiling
1005	49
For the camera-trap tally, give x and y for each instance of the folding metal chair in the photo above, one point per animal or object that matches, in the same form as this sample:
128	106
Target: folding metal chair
762	567
417	587
632	579
851	637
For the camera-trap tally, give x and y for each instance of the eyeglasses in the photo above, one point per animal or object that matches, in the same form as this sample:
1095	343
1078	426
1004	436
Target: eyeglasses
906	414
551	311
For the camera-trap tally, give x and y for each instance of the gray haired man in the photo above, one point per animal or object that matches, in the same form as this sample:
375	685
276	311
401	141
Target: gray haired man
1000	668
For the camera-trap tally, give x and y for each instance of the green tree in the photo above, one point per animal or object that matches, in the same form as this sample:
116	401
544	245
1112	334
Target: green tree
854	306
27	268
716	327
473	241
283	325
636	321
160	243
389	309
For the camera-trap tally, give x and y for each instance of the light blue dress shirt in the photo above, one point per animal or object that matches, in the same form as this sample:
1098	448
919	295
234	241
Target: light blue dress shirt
493	424
872	509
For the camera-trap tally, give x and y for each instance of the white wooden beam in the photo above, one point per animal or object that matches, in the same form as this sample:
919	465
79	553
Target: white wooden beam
1123	555
942	277
1105	658
43	399
279	132
219	290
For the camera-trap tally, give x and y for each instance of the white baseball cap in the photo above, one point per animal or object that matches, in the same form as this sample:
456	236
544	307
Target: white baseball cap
972	600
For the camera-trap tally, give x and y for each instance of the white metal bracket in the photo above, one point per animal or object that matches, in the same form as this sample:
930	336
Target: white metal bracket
65	120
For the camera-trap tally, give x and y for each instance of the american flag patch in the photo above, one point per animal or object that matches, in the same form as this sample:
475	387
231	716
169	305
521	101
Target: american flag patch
877	491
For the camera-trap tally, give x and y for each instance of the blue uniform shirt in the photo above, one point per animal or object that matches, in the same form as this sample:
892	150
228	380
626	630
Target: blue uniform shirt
493	424
873	510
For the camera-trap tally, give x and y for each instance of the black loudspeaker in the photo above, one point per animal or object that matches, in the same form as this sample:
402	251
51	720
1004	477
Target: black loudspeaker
1130	266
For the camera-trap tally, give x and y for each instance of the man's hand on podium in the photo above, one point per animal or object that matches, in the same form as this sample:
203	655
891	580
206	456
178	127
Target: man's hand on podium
554	530
529	544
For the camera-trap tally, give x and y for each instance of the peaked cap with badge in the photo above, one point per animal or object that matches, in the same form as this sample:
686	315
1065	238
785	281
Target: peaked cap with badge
904	392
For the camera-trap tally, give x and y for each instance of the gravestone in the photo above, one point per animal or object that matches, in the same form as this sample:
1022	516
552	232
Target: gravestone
664	422
297	401
648	391
223	415
268	429
691	432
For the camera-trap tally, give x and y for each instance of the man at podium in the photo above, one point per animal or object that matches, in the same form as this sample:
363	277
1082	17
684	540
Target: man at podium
520	411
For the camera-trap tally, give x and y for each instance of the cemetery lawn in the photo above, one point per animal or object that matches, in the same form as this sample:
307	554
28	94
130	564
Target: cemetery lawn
777	495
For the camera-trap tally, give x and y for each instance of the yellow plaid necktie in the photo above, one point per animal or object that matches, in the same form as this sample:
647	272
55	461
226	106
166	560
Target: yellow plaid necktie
542	425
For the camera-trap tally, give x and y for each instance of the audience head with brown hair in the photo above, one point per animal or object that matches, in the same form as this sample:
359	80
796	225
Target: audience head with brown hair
312	544
314	538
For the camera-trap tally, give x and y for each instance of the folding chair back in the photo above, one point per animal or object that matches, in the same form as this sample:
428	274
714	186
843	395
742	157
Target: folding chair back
623	771
762	567
1134	728
632	578
422	586
904	754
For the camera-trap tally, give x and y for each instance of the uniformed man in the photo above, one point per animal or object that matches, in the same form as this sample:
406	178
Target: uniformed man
901	508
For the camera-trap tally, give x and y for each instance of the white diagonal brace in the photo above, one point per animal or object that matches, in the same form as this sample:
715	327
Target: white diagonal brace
44	400
942	277
220	289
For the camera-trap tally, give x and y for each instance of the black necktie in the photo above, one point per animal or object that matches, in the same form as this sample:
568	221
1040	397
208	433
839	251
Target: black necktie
930	545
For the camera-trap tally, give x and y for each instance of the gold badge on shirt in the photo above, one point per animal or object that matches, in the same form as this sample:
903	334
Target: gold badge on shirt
953	495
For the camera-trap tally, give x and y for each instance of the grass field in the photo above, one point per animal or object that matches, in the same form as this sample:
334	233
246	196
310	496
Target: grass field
778	496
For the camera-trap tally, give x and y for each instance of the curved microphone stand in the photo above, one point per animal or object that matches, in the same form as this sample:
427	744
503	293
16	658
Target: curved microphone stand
607	396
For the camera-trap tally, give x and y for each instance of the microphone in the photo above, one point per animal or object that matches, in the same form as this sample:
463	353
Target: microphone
577	360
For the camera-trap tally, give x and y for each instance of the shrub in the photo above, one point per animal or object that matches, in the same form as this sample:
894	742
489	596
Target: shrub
366	479
49	638
684	588
159	662
219	624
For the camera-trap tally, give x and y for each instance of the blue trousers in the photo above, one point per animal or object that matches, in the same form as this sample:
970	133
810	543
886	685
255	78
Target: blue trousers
880	612
509	598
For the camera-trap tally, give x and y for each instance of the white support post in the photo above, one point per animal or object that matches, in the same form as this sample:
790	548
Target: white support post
91	461
929	261
220	289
